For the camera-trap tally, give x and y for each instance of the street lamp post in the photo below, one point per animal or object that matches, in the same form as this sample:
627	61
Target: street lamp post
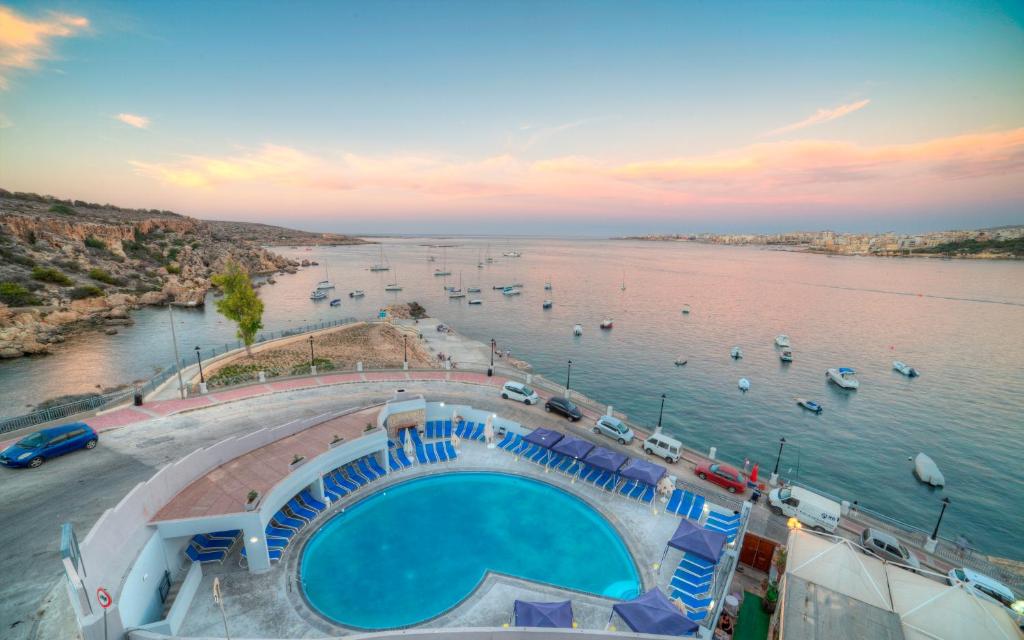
202	378
774	479
568	375
661	412
311	358
490	370
933	541
405	350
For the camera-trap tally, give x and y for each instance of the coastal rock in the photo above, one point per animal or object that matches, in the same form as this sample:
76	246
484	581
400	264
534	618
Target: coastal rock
117	313
153	298
111	331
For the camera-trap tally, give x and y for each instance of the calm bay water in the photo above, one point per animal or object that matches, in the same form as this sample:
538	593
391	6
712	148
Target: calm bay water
960	323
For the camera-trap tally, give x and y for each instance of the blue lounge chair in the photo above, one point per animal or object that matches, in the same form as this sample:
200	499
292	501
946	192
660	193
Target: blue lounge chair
301	511
431	454
442	454
540	455
276	532
277	543
648	494
674	501
204	557
404	459
627	487
402	435
461	427
567	463
355	476
343	481
207	543
428	428
697	616
638	490
508	440
478	432
447	431
372	461
449	449
393	464
365	469
230	534
311	502
284	521
275	554
421	454
522	446
690	583
415	435
686	504
330	492
693	602
589	473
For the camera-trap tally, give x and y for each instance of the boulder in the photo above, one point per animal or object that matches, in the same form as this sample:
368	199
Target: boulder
153	297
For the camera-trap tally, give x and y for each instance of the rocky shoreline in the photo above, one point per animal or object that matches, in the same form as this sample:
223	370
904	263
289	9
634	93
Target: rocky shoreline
72	266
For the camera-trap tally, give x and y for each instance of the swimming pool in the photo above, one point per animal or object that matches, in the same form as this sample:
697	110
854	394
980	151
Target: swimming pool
416	549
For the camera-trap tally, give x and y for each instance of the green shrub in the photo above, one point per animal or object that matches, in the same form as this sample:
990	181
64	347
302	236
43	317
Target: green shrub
85	291
62	209
68	265
322	364
103	276
49	274
174	267
172	254
31	237
17	258
14	295
95	243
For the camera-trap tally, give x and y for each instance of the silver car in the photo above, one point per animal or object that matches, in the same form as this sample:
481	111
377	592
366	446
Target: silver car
614	428
887	547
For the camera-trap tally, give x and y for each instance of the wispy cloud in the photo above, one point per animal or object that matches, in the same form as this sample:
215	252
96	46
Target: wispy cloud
529	136
132	120
820	116
24	42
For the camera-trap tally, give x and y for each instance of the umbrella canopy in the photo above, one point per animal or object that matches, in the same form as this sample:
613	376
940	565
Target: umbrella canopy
705	543
544	437
489	429
753	473
644	471
543	614
606	459
653	613
573	447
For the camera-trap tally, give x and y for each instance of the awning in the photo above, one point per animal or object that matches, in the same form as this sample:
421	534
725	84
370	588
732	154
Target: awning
606	459
543	614
653	613
644	471
705	543
544	437
573	447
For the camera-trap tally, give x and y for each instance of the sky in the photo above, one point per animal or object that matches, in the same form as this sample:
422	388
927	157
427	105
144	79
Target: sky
523	118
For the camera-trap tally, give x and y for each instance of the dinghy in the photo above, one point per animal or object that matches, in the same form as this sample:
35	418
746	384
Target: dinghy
546	304
810	405
736	353
680	362
744	385
927	471
905	369
577	330
607	323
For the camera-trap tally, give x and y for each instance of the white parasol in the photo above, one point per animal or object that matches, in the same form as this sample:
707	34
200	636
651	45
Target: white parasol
489	431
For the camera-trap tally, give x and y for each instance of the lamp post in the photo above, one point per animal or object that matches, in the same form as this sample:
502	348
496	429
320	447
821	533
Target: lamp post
202	379
311	358
490	370
933	541
774	479
568	375
661	412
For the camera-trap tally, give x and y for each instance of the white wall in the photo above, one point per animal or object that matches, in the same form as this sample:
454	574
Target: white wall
140	595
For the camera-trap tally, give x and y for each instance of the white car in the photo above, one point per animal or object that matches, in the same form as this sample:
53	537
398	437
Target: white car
614	428
989	587
520	392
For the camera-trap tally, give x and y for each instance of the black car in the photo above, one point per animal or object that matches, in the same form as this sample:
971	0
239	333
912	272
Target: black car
564	407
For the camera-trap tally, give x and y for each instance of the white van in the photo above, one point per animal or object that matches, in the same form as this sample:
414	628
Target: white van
663	446
809	508
520	392
990	587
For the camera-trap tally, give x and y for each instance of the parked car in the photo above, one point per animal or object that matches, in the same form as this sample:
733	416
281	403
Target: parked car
614	428
723	475
812	510
663	446
520	392
887	547
565	407
988	587
35	449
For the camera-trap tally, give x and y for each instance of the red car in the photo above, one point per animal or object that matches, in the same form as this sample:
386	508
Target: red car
723	475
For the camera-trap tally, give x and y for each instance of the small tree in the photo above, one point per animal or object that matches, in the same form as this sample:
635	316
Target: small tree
240	303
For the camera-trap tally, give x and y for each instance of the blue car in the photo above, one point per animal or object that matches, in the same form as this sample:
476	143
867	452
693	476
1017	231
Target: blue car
34	450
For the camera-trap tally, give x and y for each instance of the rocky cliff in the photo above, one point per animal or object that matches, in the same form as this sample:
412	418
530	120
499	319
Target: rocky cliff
69	265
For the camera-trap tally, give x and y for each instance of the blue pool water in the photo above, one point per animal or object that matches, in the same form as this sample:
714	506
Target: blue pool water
415	550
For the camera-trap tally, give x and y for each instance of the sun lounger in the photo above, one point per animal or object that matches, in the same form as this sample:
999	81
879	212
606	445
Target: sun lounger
449	448
523	445
648	494
275	554
277	532
311	502
343	481
693	602
432	429
372	461
508	440
447	432
402	458
393	462
330	493
686	581
697	616
421	454
402	433
431	455
539	456
204	557
355	476
569	466
692	590
211	544
442	455
301	511
364	468
462	428
627	487
284	521
478	432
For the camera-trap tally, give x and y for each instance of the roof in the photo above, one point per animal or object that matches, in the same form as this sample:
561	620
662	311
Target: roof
811	611
838	566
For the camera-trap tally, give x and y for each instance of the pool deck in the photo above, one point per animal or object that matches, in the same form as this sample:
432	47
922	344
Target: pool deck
271	604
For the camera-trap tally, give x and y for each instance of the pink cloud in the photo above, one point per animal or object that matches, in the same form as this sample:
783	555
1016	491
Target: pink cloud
819	117
24	42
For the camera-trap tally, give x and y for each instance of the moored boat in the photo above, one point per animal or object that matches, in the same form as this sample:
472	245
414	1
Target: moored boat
782	340
786	355
358	293
547	304
843	377
336	302
905	369
744	385
577	330
927	471
810	405
476	301
736	353
473	289
680	362
510	291
607	323
686	309
317	294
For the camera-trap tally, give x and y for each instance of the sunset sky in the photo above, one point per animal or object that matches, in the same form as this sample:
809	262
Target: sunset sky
523	117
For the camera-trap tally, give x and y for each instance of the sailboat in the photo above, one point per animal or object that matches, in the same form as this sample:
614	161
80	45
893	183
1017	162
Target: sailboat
454	293
479	261
623	280
443	271
512	254
326	283
489	258
394	286
547	284
382	264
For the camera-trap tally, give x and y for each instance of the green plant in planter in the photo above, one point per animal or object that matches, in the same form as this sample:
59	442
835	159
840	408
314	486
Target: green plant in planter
297	459
771	597
252	496
336	439
369	426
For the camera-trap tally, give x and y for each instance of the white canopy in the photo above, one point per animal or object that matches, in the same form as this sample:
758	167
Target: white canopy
839	566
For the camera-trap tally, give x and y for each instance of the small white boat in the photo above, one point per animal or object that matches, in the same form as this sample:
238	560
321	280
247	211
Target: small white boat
607	323
512	254
844	377
782	340
547	304
905	369
476	301
927	471
547	286
744	385
317	294
736	353
686	309
454	295
442	272
810	405
786	355
324	285
336	302
577	330
680	362
510	291
358	293
394	286
473	289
